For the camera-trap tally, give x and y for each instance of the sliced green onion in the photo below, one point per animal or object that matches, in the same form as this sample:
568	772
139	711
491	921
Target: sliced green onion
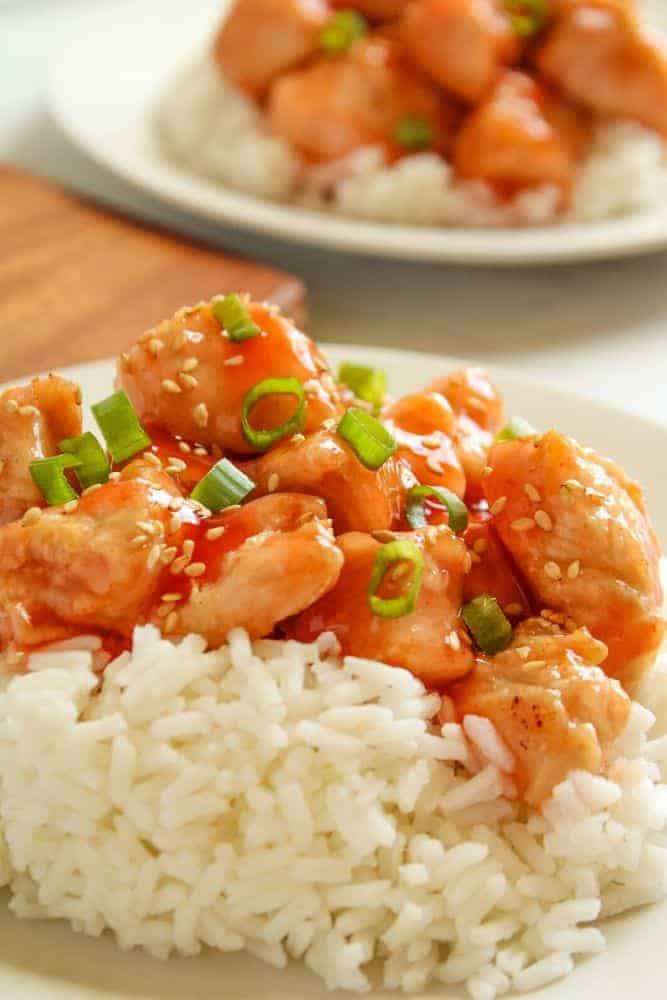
235	318
369	439
260	440
400	551
120	426
341	31
414	133
223	486
369	384
516	428
527	17
49	477
94	466
455	507
489	626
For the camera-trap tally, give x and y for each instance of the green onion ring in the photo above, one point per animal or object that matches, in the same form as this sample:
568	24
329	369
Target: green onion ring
515	429
223	486
398	551
260	440
369	384
235	318
341	30
94	465
120	426
456	509
488	624
48	475
369	439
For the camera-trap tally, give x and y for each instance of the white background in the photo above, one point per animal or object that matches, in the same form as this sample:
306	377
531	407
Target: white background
599	329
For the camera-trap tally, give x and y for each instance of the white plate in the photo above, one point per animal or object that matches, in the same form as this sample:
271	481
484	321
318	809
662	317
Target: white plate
47	959
109	73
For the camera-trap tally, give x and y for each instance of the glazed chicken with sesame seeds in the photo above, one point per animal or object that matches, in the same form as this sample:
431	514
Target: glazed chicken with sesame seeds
235	483
190	376
579	532
34	418
553	706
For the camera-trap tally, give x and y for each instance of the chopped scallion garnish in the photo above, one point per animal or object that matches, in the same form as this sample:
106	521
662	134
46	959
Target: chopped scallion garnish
456	509
231	313
369	439
369	384
120	426
486	621
49	477
93	465
341	31
261	439
516	428
414	133
223	486
392	554
527	17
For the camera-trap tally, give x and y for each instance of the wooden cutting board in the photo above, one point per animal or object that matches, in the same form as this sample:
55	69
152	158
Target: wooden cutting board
79	283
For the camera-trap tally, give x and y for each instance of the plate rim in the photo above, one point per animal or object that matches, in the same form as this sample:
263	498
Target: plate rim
161	178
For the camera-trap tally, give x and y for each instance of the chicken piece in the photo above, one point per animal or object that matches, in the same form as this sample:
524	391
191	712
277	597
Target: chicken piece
492	571
520	136
324	465
423	425
135	551
550	702
599	56
359	99
461	44
375	10
187	376
480	414
580	534
431	641
34	418
261	39
275	557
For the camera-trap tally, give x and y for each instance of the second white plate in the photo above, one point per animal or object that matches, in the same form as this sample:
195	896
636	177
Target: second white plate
108	76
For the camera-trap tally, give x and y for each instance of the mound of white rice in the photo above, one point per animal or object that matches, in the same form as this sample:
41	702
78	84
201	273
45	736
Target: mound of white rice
209	127
275	798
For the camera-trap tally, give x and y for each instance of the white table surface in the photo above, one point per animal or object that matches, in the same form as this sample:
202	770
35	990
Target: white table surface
598	329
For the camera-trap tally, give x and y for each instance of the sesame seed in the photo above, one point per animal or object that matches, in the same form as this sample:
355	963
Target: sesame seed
384	536
171	598
189	364
171	622
155	346
138	541
498	506
297	438
434	465
174	525
273	482
454	640
169	385
433	440
552	570
523	652
467	562
11	406
188	547
531	492
148	527
28	411
178	565
31	516
311	385
70	506
574	569
91	489
188	381
513	609
169	554
152	459
154	557
114	477
184	447
543	521
573	484
196	569
328	424
200	414
486	471
480	545
213	534
523	524
536	664
236	359
201	452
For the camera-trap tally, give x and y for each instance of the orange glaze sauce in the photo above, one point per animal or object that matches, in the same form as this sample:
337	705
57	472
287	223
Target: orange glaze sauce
492	571
166	447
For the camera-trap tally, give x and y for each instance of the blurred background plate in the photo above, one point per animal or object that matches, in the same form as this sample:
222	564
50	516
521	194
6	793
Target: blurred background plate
119	58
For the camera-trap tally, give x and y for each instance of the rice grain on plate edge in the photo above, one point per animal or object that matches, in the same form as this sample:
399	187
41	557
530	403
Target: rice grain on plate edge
274	798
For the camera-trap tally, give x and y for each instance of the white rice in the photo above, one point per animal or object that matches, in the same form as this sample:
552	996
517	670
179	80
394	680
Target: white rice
212	129
275	798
